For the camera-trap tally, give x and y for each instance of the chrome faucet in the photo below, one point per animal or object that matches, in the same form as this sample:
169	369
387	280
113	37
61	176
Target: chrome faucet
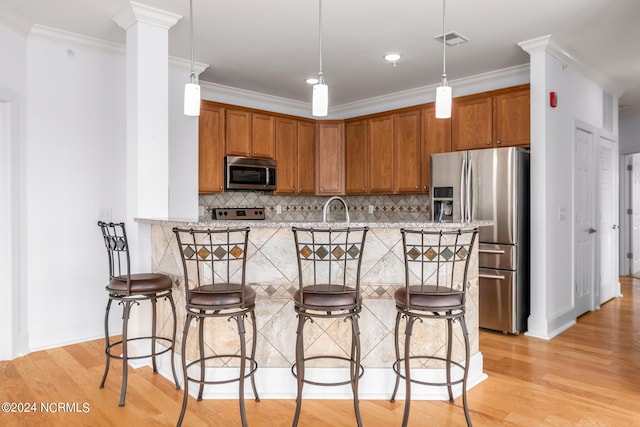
325	209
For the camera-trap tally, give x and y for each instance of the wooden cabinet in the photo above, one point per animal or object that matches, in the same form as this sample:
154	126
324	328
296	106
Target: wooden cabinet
295	154
436	138
250	134
497	119
356	157
407	140
330	158
380	155
211	133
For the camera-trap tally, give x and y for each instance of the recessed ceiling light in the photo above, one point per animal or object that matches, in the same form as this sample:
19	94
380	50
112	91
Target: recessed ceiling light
312	80
393	58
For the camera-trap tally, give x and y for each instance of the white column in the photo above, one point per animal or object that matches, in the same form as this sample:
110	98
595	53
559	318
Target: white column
147	108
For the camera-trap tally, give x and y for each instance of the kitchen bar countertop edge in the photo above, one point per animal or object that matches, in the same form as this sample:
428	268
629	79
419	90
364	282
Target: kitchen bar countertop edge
180	222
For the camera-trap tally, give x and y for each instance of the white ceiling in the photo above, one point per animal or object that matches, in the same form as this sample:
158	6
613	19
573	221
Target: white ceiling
271	46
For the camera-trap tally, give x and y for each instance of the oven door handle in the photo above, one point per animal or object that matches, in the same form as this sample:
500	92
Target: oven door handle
491	276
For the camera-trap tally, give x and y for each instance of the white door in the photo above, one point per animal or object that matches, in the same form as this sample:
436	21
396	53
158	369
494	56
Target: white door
634	217
584	247
607	220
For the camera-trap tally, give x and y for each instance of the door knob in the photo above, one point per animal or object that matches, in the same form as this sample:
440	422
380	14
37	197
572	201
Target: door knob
614	226
592	230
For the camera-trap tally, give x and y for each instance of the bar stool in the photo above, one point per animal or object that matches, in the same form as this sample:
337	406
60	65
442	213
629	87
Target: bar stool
130	289
436	266
214	263
329	287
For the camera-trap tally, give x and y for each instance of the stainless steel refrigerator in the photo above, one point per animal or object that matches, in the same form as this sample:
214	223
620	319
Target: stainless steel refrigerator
491	184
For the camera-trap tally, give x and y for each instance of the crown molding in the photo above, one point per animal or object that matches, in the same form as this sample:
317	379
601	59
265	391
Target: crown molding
134	12
15	21
549	44
247	98
181	63
66	38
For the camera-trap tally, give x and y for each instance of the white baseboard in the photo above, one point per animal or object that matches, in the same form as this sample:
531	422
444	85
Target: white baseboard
279	383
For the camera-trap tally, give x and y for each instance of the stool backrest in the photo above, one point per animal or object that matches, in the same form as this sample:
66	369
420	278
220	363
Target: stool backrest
214	257
437	262
115	240
329	256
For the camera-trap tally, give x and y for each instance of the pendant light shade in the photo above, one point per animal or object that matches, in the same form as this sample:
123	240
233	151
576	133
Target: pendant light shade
320	99
192	89
443	93
320	104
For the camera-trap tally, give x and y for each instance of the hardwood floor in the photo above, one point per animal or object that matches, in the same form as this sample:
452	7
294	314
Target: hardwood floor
587	376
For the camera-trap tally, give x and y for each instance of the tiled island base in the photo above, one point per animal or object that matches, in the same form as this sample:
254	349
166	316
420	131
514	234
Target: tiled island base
272	272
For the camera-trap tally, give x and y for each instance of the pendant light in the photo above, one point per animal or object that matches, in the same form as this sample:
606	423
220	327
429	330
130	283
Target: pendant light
443	93
320	100
192	89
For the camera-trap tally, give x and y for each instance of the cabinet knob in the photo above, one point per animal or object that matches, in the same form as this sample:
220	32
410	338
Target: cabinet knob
321	190
498	142
362	188
417	187
254	153
488	142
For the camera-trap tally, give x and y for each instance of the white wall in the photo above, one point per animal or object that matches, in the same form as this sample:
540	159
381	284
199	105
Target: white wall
76	140
579	99
13	303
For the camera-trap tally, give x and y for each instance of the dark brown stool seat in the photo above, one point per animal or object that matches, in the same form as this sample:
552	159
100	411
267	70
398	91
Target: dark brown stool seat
436	267
129	289
327	293
214	264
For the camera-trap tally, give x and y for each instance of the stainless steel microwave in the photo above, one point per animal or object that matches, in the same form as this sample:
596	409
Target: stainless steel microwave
249	173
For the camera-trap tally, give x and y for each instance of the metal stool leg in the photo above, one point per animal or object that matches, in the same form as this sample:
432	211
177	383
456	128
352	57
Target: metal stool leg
448	363
243	363
154	313
173	342
467	351
201	346
106	343
299	365
396	337
407	362
355	371
125	363
185	374
253	354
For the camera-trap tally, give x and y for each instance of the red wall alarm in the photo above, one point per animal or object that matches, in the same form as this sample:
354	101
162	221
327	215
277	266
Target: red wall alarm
553	99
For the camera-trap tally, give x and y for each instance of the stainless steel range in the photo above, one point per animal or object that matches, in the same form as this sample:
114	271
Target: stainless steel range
230	214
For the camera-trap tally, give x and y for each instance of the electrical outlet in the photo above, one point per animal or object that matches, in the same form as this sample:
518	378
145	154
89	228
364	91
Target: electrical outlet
370	209
278	209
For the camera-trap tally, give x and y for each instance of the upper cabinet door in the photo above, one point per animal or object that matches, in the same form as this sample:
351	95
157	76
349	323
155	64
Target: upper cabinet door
262	135
306	158
238	133
356	157
211	149
330	158
436	138
380	156
286	147
407	152
511	119
472	123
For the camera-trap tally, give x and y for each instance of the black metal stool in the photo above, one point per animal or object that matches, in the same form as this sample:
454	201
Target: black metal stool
129	289
214	263
329	287
436	267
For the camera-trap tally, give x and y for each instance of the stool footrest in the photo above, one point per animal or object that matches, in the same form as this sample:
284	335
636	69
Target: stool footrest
346	359
250	361
398	363
142	356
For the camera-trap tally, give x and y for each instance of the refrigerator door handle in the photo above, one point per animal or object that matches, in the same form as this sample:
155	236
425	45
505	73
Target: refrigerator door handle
492	251
463	190
491	276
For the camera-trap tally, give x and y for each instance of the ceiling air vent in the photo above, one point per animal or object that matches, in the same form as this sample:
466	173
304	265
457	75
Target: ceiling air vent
452	38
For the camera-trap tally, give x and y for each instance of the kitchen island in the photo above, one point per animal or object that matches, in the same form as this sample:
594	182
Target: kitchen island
272	272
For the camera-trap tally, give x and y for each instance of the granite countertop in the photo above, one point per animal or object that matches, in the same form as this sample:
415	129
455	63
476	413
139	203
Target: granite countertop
181	222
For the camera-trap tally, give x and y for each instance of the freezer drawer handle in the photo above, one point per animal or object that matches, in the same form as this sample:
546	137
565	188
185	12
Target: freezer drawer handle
491	276
491	251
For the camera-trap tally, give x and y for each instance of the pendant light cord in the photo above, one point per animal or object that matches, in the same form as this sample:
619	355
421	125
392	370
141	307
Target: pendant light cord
444	44
320	77
193	73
